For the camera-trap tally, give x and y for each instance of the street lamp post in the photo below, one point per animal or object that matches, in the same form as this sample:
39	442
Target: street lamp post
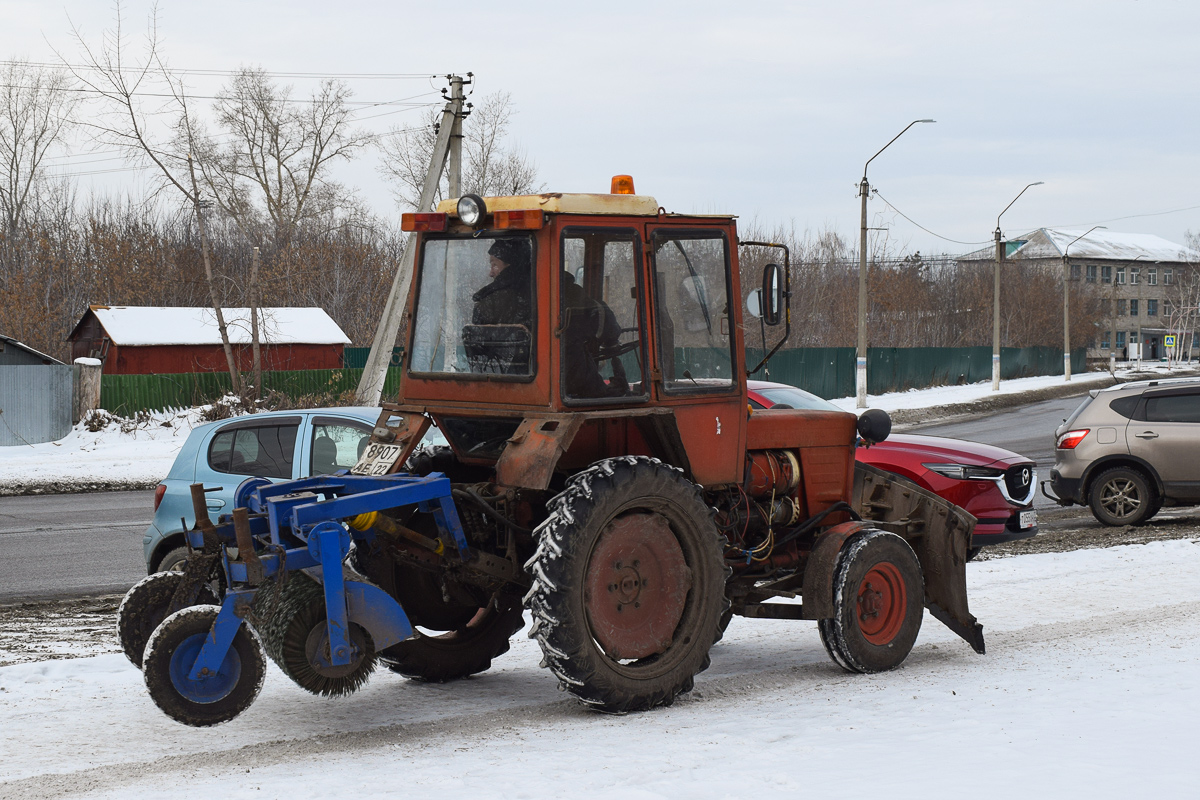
864	190
996	293
1067	302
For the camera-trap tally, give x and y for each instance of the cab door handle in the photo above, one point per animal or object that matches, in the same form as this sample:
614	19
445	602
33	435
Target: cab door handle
1146	435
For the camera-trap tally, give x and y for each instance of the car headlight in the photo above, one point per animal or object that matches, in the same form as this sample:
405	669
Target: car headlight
964	472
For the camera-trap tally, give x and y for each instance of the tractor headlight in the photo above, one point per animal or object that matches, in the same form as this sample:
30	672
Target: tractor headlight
471	209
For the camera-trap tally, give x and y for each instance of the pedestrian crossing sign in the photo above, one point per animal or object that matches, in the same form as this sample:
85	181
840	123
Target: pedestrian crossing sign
1169	341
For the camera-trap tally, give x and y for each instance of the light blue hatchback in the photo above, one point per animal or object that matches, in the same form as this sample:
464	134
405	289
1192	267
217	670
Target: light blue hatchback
277	445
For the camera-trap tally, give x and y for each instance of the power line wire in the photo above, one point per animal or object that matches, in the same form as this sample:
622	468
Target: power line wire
919	225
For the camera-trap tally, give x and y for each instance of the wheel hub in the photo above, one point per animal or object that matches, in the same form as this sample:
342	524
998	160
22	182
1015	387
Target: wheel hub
636	586
882	601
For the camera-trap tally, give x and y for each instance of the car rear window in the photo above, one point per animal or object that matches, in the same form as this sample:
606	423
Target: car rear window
266	451
1173	408
1125	406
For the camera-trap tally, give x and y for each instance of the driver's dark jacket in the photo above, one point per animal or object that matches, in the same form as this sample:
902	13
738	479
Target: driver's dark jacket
504	301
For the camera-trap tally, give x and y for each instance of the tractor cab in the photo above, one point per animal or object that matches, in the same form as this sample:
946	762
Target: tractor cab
612	326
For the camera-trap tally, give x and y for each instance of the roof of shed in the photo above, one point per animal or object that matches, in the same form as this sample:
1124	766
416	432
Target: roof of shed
11	342
147	325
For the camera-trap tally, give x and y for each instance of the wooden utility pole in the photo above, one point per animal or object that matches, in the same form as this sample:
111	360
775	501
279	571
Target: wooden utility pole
370	386
255	349
212	286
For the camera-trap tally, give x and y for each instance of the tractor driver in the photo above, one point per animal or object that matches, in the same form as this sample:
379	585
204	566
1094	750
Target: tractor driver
498	338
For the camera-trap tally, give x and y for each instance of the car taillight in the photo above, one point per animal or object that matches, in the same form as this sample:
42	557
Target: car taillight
158	495
1070	439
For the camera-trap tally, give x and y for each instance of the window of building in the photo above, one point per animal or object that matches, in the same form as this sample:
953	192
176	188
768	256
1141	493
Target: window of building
1152	276
1120	276
1106	274
1120	339
1105	341
1076	270
1151	308
1134	276
1168	276
1105	307
1133	308
1133	337
1122	308
1091	273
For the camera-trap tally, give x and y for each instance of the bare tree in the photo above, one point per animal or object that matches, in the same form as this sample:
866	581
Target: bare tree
36	107
491	167
120	80
272	174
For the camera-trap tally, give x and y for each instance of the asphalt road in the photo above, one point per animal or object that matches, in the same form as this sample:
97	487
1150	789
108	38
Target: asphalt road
70	545
1028	430
76	545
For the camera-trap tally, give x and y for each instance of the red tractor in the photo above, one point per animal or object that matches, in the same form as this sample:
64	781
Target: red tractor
583	355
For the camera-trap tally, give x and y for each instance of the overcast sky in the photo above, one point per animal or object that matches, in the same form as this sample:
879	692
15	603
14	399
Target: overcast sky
765	110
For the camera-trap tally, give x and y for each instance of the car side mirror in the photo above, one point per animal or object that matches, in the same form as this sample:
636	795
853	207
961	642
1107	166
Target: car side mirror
771	299
874	425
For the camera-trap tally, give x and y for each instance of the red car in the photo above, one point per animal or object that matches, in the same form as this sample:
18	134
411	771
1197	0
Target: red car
997	486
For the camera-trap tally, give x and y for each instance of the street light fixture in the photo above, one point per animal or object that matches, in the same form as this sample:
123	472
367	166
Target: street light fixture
864	190
996	293
1067	302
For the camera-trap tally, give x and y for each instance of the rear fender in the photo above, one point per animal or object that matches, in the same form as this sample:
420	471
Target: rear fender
938	531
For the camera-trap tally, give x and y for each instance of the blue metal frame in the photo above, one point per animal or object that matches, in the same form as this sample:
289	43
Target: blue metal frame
299	525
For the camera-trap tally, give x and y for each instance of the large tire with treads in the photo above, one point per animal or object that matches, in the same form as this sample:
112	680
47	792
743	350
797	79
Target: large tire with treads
878	598
466	650
628	584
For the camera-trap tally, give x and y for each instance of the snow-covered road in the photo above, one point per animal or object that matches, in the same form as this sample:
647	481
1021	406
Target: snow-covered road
1090	688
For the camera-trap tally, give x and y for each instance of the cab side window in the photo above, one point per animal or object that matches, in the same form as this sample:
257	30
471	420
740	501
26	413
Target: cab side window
336	444
599	317
265	451
692	310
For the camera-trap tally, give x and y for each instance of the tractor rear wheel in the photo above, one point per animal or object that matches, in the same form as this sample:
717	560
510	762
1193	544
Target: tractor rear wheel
144	608
628	584
213	699
465	650
878	595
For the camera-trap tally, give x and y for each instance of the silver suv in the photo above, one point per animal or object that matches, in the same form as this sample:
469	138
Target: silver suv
1129	450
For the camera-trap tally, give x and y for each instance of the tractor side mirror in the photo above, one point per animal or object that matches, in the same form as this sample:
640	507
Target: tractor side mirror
874	425
771	299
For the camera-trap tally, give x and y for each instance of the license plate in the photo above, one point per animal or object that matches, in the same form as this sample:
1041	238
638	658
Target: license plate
377	459
1028	518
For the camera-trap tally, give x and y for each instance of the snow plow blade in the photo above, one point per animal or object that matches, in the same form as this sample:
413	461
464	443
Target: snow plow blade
937	530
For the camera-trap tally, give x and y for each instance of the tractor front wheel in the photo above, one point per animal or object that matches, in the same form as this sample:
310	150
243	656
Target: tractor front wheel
878	594
212	699
628	584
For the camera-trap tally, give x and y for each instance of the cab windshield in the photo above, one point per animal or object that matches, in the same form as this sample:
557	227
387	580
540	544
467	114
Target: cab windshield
475	307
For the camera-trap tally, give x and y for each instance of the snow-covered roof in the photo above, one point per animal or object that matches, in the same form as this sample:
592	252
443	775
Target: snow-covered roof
1096	245
146	325
10	342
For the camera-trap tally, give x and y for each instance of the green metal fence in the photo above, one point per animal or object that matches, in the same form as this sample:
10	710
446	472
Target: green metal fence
126	394
356	357
825	371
